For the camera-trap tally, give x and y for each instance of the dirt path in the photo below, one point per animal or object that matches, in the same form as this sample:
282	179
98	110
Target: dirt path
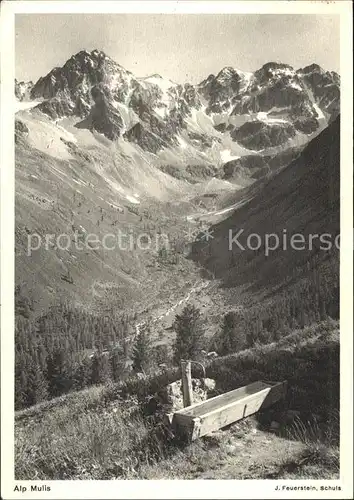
261	456
197	287
240	452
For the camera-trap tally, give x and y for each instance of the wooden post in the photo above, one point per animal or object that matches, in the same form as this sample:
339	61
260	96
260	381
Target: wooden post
187	383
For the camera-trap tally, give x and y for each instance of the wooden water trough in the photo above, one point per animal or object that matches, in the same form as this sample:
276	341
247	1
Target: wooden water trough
202	418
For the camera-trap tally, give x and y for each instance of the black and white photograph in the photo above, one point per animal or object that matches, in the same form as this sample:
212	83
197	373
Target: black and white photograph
178	187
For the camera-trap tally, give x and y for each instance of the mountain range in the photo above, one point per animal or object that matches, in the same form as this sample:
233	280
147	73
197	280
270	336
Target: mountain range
232	114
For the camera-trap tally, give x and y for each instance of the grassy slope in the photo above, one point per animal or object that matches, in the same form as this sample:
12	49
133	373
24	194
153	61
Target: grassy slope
106	432
112	277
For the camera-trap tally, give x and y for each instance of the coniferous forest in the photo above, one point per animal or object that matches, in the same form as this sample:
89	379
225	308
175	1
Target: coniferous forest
67	349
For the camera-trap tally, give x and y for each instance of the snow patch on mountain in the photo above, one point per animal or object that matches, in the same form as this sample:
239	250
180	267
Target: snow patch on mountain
227	156
296	86
23	105
129	117
319	111
199	121
182	142
270	119
68	135
167	100
163	83
132	199
119	189
247	80
323	122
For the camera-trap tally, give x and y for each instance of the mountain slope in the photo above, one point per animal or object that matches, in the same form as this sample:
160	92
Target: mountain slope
83	191
302	198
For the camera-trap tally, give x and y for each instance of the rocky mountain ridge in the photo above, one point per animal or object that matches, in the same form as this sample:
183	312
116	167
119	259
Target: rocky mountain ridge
23	90
276	106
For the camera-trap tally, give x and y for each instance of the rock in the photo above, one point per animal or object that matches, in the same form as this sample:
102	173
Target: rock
325	86
23	90
103	117
21	127
142	136
244	165
172	396
274	426
209	384
259	135
289	416
151	405
56	107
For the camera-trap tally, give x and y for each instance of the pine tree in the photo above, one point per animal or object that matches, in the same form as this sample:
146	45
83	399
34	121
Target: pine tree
141	354
101	369
161	354
21	380
82	373
233	336
37	385
189	334
117	364
59	372
227	334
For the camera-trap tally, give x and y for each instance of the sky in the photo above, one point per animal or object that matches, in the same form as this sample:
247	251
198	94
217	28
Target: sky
183	47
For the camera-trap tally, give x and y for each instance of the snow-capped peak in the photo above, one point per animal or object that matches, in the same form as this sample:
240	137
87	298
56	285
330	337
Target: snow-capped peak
163	83
228	72
155	75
